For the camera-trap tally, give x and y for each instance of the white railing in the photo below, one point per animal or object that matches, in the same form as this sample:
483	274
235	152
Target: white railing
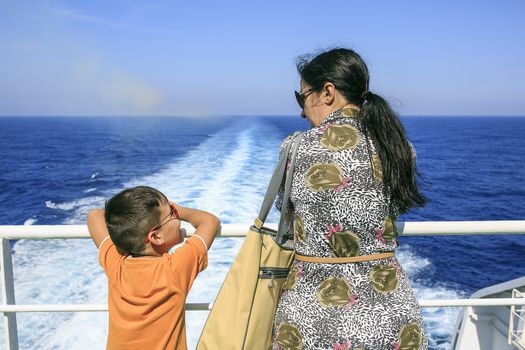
14	232
516	335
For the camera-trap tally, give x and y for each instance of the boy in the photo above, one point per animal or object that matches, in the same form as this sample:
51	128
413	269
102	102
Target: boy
147	286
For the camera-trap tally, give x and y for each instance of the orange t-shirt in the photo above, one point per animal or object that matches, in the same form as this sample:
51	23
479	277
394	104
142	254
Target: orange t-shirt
146	295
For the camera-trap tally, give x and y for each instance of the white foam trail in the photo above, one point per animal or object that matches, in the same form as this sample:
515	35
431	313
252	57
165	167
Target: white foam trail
226	174
412	264
89	190
30	221
79	208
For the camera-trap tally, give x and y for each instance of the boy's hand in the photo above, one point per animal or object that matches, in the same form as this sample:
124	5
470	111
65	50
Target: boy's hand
207	225
97	226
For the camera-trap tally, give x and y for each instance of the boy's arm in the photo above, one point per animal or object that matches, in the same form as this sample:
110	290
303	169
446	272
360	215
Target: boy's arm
97	226
207	225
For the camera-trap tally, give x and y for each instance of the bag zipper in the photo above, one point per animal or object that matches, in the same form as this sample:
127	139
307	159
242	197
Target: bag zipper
273	272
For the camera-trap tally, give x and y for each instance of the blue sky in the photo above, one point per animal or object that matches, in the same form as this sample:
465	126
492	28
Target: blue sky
238	57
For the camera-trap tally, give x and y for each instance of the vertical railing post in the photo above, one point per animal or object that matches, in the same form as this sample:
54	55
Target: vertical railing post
8	296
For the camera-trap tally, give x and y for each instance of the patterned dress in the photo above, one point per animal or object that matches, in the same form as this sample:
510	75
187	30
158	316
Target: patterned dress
341	209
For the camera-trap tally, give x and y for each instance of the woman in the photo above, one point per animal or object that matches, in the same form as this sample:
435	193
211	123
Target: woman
355	171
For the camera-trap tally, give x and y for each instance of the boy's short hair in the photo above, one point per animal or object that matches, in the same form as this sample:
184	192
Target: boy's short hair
130	215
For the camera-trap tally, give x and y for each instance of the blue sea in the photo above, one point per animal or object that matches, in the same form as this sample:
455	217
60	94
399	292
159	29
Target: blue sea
55	169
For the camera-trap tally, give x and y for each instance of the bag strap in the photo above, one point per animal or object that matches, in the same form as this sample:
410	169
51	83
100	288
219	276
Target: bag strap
275	183
283	229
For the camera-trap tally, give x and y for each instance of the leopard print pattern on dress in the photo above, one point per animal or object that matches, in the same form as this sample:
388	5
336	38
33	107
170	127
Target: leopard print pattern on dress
342	208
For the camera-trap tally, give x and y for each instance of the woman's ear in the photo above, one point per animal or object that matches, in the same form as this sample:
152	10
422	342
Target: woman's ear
328	93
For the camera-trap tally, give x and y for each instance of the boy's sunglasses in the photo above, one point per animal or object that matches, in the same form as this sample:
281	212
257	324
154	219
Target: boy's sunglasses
301	96
174	214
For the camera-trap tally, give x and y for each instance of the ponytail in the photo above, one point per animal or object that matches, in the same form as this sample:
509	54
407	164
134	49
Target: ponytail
395	152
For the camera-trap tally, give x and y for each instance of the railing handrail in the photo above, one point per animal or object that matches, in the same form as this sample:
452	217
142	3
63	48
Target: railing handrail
207	306
412	228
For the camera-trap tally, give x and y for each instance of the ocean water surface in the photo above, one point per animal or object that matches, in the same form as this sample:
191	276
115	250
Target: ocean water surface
54	170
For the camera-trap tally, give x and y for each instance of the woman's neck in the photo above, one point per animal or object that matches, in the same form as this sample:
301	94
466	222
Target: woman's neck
345	106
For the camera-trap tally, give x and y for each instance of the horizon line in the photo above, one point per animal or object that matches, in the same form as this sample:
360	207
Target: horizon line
243	116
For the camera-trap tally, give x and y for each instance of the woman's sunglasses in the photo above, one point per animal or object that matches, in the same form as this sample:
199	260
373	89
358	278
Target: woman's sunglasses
174	214
301	96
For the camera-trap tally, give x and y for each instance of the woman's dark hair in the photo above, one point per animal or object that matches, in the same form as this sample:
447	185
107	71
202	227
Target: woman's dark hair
130	215
348	72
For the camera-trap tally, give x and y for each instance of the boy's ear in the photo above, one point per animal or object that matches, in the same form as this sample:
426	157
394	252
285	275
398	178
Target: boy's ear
155	239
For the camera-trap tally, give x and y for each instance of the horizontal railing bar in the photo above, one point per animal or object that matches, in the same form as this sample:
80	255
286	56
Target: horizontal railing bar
80	307
471	302
208	306
416	228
